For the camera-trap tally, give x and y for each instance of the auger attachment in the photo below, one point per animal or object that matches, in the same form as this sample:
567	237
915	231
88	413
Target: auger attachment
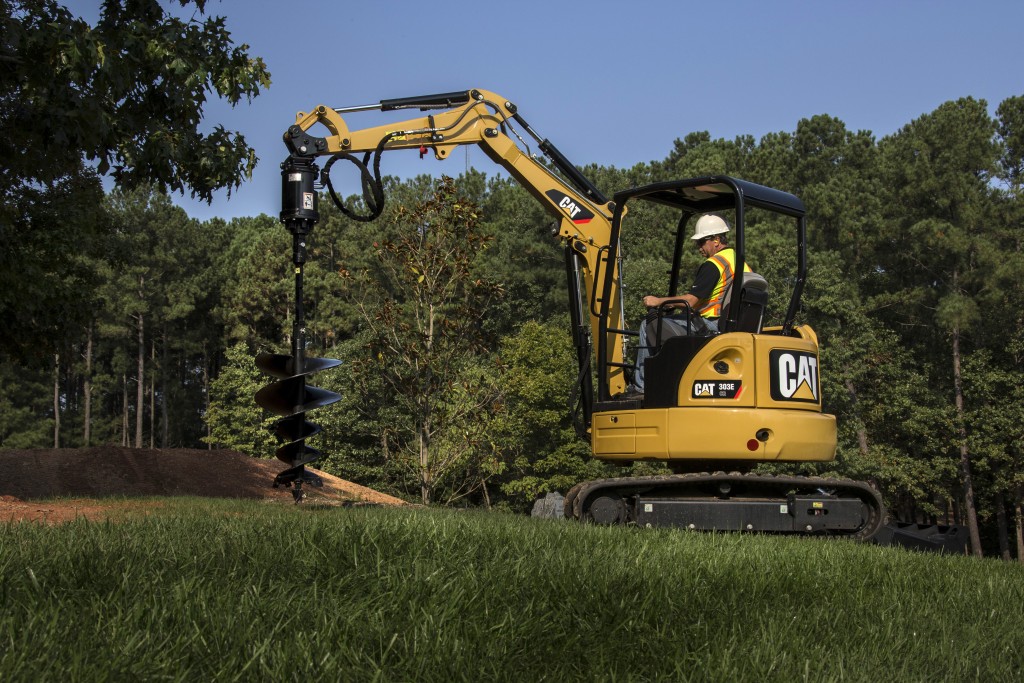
291	397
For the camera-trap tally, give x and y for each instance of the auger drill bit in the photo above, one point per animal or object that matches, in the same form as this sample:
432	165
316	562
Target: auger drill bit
290	396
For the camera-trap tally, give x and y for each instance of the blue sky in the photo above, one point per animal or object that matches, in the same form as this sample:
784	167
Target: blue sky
611	83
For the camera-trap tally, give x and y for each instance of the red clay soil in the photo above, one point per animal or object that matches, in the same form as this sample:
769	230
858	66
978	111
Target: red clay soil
56	485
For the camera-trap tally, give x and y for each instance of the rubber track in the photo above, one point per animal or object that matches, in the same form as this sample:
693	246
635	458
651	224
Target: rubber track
577	497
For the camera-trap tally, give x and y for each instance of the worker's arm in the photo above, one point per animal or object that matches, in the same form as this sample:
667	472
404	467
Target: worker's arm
703	286
651	301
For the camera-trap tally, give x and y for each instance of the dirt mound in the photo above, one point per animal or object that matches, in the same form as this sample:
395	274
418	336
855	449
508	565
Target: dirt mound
83	477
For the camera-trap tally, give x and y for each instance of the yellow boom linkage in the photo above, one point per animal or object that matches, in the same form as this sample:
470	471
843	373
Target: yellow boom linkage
485	119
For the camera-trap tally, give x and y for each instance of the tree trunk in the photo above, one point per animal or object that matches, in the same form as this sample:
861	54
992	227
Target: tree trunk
206	395
965	456
426	480
1018	513
1002	526
862	433
424	405
164	419
56	400
87	389
124	411
152	397
140	384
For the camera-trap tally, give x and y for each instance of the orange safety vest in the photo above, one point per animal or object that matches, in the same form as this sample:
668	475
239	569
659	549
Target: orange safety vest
725	261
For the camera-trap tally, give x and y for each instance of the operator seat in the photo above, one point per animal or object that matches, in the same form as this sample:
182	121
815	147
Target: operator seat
753	301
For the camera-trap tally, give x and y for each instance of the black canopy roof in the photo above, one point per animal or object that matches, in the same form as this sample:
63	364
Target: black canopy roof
714	193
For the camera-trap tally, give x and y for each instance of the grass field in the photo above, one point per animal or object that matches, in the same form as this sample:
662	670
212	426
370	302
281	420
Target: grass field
222	590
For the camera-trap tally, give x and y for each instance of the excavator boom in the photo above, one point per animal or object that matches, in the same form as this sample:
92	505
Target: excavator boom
489	121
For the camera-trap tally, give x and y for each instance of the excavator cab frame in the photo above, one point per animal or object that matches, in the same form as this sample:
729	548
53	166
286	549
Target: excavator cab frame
741	395
694	197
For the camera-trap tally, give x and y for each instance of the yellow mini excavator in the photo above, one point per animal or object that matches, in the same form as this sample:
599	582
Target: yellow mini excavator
713	406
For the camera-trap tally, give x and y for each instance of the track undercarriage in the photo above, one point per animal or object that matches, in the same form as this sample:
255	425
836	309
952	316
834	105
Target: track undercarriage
732	502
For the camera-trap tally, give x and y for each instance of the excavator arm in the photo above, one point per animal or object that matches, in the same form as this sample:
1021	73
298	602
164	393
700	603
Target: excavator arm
482	118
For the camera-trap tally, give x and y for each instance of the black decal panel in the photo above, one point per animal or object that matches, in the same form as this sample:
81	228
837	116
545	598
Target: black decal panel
717	389
794	376
575	212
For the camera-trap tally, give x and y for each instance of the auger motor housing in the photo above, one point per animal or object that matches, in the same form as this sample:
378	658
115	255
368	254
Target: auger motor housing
299	200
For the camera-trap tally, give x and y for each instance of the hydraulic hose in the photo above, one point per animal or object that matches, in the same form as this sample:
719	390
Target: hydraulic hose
372	184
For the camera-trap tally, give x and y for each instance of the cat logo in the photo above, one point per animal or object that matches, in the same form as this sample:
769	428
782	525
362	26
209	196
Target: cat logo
576	213
794	376
704	389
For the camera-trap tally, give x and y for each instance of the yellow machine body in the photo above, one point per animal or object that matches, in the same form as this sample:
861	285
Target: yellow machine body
744	398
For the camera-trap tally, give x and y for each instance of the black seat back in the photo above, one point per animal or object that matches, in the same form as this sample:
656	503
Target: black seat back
753	302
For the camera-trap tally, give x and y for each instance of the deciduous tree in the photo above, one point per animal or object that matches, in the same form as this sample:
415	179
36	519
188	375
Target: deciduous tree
425	333
126	96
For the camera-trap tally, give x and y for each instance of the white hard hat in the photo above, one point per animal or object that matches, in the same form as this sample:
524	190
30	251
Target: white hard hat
708	225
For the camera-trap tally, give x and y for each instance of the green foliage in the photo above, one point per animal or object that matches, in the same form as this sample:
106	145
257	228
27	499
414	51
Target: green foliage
521	256
26	408
127	93
259	283
1010	126
423	310
534	432
152	313
50	240
360	430
698	155
126	96
234	420
141	320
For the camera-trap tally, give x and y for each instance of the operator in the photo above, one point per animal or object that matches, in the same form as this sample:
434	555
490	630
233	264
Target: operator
704	298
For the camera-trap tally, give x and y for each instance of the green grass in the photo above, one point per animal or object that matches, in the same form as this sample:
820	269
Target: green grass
232	590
